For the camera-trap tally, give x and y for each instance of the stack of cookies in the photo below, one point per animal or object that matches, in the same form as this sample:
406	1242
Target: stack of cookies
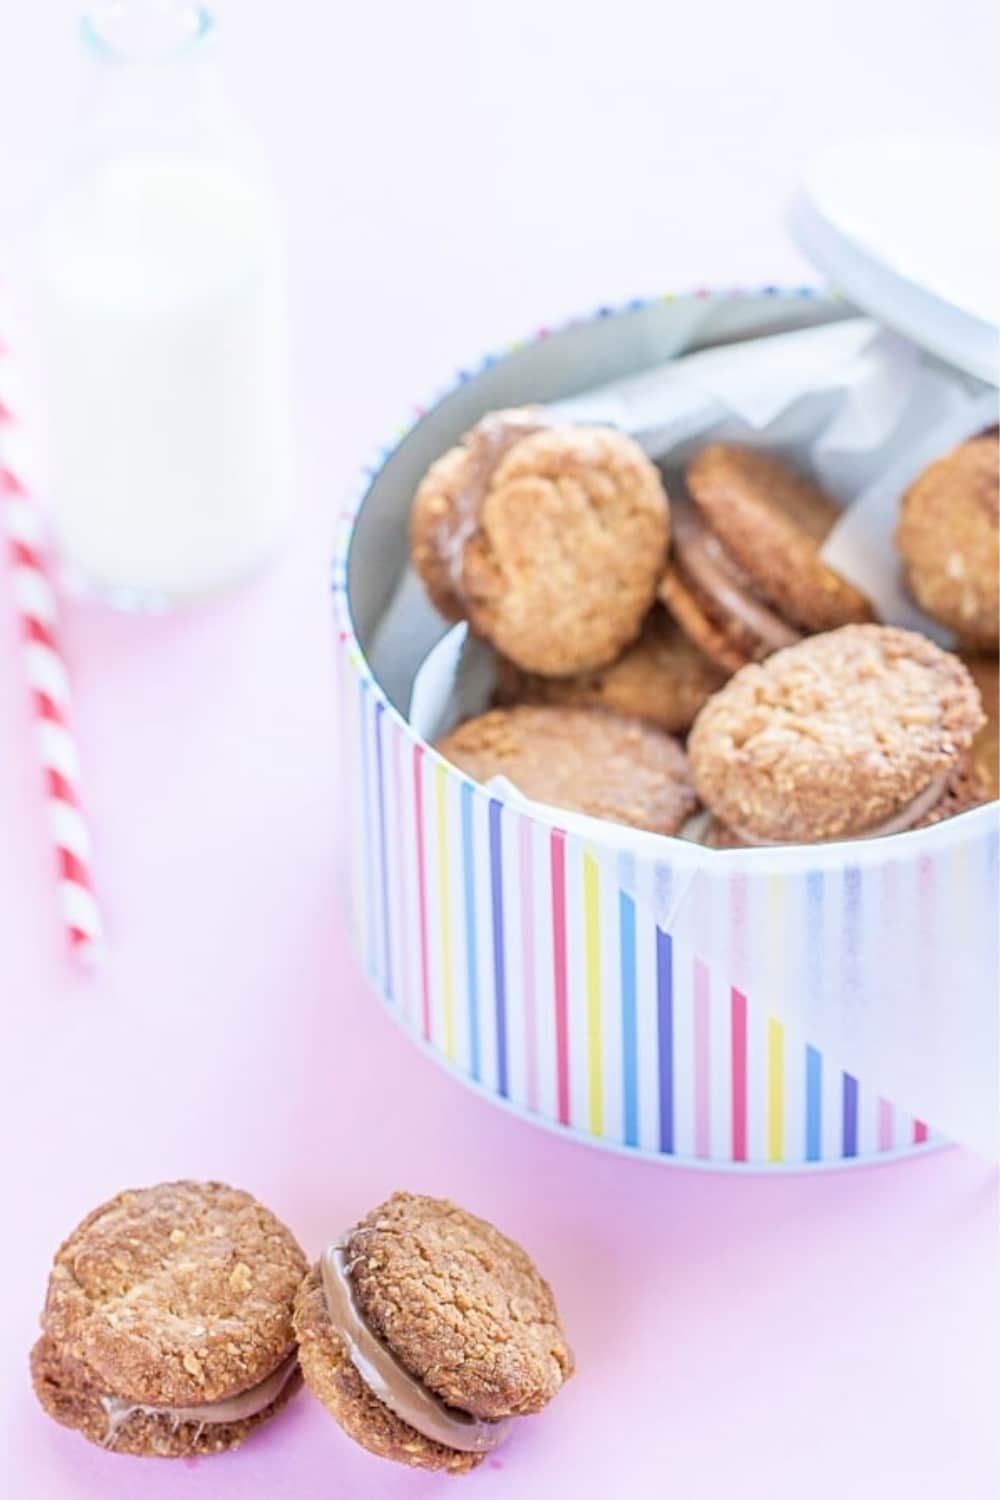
627	622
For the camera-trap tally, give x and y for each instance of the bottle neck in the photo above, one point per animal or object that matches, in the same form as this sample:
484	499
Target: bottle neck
153	84
145	33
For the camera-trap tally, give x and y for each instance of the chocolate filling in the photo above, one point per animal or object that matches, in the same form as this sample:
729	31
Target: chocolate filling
486	445
236	1408
386	1377
701	558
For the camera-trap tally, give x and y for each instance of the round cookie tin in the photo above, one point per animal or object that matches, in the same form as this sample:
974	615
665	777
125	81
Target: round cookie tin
803	1007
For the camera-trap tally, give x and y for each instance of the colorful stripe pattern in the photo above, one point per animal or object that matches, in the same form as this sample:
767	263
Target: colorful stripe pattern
518	955
555	975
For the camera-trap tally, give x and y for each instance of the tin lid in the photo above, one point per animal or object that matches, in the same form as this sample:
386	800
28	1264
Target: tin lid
909	231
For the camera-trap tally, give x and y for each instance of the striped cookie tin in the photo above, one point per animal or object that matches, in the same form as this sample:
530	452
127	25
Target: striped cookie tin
756	1009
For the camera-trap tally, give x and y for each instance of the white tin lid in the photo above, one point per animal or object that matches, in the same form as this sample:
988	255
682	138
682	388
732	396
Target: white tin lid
909	231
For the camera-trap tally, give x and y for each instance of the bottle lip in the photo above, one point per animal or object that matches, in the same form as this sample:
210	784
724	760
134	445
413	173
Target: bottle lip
144	31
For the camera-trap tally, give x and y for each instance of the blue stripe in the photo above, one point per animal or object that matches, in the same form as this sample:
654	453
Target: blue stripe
852	929
814	936
471	935
499	969
814	1104
630	1040
369	839
383	850
663	886
665	1035
850	1095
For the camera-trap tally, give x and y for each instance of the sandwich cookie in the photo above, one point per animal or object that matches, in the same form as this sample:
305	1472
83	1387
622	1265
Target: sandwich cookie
588	761
949	539
167	1328
549	540
860	733
662	678
745	576
425	1331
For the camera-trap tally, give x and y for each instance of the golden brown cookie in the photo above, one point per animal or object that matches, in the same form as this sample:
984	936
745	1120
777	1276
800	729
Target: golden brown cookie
966	787
857	733
746	577
986	745
167	1327
589	761
949	539
425	1314
662	678
550	541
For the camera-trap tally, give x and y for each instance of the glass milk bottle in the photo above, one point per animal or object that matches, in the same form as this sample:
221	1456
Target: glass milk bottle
164	339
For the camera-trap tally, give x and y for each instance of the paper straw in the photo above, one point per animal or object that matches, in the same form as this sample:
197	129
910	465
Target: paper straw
36	603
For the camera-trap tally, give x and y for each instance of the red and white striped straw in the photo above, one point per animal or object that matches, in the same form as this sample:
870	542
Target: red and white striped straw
36	602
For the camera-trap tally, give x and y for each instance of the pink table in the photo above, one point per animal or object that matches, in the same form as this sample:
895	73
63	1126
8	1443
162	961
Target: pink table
817	1337
823	1336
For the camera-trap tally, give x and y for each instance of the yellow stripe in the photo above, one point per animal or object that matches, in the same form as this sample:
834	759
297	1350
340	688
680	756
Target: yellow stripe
776	929
443	856
592	932
775	1090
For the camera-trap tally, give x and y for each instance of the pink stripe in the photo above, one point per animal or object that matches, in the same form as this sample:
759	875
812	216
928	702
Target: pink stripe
528	962
738	924
738	1008
920	1132
418	812
558	857
702	1088
886	1125
403	969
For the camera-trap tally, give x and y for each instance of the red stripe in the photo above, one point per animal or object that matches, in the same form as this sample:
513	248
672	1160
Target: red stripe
59	788
558	858
418	808
35	630
9	482
24	556
72	867
920	1132
738	1008
47	708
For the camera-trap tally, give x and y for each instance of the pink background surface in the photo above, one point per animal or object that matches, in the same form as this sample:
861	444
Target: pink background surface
793	1336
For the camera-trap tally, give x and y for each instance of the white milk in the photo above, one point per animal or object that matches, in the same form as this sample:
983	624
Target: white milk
166	369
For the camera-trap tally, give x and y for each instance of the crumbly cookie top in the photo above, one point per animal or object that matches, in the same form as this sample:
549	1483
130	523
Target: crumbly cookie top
949	539
176	1295
549	540
460	1305
834	734
583	759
